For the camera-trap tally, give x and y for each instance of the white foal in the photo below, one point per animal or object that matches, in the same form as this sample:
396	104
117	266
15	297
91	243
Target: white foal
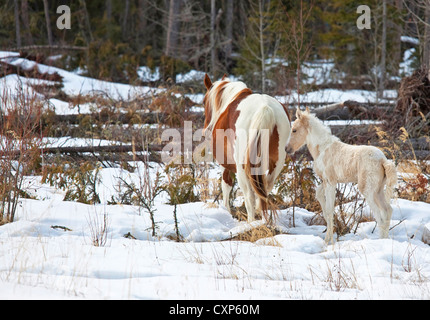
337	162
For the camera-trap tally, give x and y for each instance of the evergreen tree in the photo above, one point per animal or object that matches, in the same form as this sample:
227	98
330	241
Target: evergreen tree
265	41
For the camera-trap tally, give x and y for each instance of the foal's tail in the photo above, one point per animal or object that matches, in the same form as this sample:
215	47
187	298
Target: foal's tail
391	178
257	155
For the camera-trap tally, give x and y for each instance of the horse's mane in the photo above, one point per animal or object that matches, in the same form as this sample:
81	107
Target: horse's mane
222	93
319	133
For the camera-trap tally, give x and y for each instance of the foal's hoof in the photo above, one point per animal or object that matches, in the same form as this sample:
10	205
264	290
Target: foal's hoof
329	240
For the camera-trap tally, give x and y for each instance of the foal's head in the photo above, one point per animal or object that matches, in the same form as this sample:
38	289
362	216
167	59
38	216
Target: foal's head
299	131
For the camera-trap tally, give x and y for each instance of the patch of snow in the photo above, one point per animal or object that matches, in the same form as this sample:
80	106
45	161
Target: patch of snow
146	74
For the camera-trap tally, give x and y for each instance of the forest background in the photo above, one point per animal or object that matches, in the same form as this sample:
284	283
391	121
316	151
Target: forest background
265	42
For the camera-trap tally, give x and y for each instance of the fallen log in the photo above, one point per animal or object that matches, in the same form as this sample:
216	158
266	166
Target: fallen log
100	149
124	118
328	108
33	72
139	116
111	157
50	47
89	149
335	111
368	110
350	110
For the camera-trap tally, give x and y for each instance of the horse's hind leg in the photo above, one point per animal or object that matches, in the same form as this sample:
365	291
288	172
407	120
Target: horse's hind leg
226	186
248	193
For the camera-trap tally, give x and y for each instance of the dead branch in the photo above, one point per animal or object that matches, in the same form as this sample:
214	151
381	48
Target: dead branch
50	47
328	108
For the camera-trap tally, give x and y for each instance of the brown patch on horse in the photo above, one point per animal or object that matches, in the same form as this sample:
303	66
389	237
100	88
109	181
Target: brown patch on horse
226	176
227	120
273	149
207	102
218	94
258	181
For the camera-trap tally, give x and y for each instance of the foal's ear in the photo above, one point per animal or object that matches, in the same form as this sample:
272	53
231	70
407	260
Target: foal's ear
307	109
298	113
208	82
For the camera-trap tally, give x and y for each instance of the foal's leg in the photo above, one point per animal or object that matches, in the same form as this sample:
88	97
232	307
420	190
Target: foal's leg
325	194
385	211
320	195
375	197
330	194
372	202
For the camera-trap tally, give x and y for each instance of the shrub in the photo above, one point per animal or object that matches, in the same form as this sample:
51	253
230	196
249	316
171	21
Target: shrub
19	146
181	183
79	180
143	194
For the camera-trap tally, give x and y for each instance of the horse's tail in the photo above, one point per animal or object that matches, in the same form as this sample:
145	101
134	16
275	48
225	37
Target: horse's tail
257	154
391	178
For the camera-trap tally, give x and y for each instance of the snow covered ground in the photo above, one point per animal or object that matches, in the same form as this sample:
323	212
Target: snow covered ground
47	252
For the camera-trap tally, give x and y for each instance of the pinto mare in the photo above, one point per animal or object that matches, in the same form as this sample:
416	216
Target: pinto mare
249	134
337	162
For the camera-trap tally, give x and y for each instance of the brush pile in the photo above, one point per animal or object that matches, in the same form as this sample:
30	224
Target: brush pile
413	104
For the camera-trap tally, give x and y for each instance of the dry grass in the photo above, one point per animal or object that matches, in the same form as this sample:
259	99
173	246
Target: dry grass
258	233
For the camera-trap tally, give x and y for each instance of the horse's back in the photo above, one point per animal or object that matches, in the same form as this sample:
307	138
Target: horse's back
351	163
250	106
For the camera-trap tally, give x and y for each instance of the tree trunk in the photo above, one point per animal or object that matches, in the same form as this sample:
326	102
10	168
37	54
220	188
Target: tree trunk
213	51
109	18
108	10
171	49
426	53
124	22
48	22
382	67
262	54
17	27
229	31
142	24
398	31
26	23
87	20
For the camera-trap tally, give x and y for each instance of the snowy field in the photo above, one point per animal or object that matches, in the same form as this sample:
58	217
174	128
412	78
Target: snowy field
47	252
